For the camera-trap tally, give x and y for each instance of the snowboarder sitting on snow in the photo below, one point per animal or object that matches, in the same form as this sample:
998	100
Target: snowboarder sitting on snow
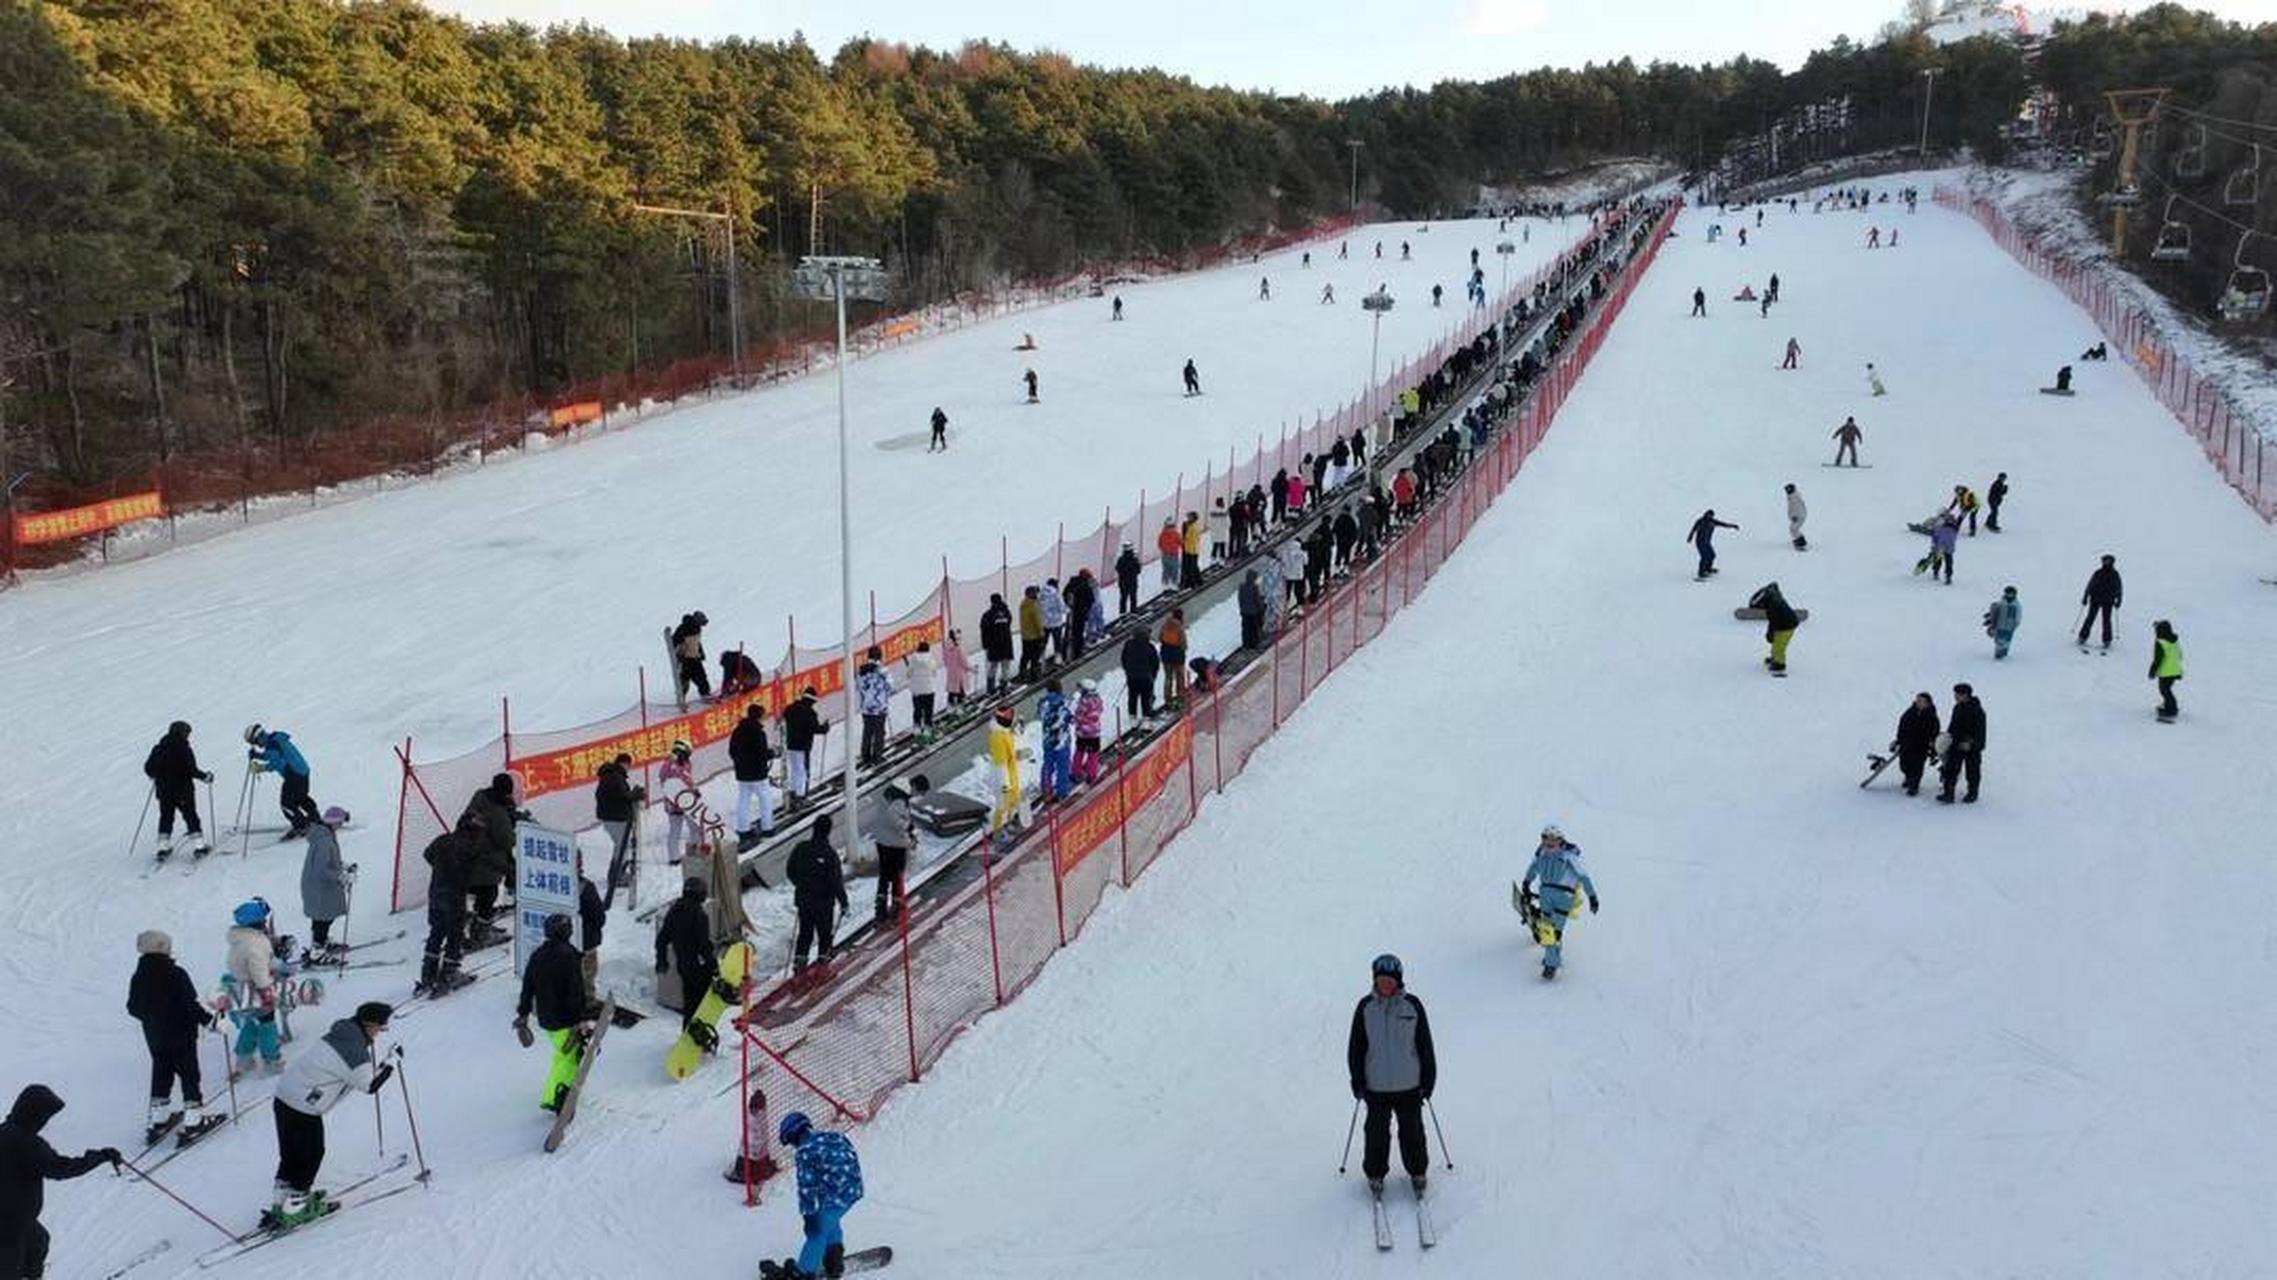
272	751
1779	623
554	986
162	998
172	768
1393	1069
1916	740
1556	868
738	673
339	1063
1703	539
2001	619
2100	351
27	1161
830	1184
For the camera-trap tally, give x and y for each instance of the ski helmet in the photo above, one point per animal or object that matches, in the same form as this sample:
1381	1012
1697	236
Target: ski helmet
1553	832
335	817
680	746
1387	966
253	733
558	926
793	1129
251	912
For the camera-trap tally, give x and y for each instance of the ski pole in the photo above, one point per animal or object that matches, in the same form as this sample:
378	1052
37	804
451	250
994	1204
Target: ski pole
1346	1161
228	1067
379	1126
244	786
403	1081
203	1216
1443	1154
136	838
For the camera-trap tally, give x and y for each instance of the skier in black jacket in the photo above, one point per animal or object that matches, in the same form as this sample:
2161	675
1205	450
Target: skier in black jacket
26	1163
450	857
684	942
1916	740
172	768
818	882
163	999
1964	730
1081	592
1394	1068
2103	593
996	642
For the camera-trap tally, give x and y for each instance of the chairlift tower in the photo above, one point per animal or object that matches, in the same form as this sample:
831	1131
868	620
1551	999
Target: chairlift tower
2133	110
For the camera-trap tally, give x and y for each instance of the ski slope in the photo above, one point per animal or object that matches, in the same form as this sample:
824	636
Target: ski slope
1817	1032
547	579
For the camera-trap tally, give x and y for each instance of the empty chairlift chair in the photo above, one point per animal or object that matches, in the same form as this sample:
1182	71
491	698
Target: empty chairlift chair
2246	295
2244	186
2190	158
2173	237
2099	141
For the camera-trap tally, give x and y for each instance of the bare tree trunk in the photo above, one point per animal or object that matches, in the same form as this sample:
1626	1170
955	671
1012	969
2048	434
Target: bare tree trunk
157	387
75	454
229	368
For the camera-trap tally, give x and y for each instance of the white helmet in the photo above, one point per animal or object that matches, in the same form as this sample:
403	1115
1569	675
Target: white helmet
1553	832
252	732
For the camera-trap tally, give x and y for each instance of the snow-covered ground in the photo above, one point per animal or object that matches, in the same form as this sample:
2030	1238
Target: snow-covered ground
1817	1032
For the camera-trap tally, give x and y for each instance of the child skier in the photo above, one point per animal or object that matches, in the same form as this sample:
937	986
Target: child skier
830	1183
675	776
1053	715
1090	708
1556	868
325	883
2166	667
2001	619
162	998
253	972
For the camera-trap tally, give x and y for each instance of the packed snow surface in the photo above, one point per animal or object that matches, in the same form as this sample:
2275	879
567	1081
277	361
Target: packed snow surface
1817	1031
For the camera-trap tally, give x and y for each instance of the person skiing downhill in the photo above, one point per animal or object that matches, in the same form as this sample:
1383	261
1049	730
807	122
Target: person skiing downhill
2102	596
940	439
1393	1069
27	1162
829	1184
1699	302
172	767
1556	868
553	986
272	751
2001	618
1703	540
2166	667
318	1079
1797	512
1916	740
163	999
1794	355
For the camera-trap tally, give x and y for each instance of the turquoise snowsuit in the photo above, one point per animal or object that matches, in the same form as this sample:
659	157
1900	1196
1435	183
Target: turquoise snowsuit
1563	885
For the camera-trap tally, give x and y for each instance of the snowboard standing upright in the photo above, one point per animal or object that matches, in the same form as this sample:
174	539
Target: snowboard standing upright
702	1033
585	1056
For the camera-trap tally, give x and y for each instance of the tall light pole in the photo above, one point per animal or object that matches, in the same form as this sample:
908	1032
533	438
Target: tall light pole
1354	144
835	280
1928	89
726	222
1503	251
1375	304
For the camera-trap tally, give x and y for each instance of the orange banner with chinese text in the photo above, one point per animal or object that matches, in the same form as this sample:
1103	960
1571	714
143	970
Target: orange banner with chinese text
1081	834
78	522
572	767
575	415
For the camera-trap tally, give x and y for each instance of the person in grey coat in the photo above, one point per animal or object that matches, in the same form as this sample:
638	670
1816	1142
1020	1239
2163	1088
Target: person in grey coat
325	882
1393	1070
893	833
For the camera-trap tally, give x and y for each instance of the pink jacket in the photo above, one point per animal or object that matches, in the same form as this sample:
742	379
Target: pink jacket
1296	490
953	666
1089	707
673	772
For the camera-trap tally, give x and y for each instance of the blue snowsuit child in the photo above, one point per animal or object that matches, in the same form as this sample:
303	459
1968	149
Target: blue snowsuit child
1562	884
830	1183
1059	752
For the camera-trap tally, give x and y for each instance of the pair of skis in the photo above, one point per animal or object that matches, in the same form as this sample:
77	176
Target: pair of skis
342	1199
1426	1231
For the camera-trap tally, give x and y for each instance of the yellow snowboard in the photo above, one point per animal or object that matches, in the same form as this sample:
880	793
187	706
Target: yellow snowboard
701	1036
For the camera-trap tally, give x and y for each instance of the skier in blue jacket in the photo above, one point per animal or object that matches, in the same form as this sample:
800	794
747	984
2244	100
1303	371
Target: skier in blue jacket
1557	869
272	751
830	1183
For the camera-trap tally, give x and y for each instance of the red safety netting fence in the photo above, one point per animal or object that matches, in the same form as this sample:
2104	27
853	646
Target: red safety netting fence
264	479
555	768
837	1041
2229	438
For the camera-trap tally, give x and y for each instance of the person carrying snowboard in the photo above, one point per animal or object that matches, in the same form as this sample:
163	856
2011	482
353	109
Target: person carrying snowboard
684	946
553	986
830	1184
616	806
2166	667
1556	868
26	1163
1916	740
1703	540
818	890
172	767
2001	618
272	751
162	998
1393	1070
1964	749
2102	596
325	883
1797	512
340	1063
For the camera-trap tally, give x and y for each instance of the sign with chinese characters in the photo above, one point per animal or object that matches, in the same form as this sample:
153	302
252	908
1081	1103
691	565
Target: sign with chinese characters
545	882
78	522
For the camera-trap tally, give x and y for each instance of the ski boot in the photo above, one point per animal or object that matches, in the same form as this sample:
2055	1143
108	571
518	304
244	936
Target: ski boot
296	1210
165	849
1376	1188
163	1118
1418	1182
1549	972
787	1269
199	851
198	1123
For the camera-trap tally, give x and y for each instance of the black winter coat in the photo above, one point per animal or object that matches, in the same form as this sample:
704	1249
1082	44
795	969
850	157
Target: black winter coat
615	799
1966	724
451	857
1141	662
592	914
27	1162
685	934
2103	587
1916	732
1080	593
817	879
162	998
554	985
802	724
996	633
747	747
172	766
1126	572
497	819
